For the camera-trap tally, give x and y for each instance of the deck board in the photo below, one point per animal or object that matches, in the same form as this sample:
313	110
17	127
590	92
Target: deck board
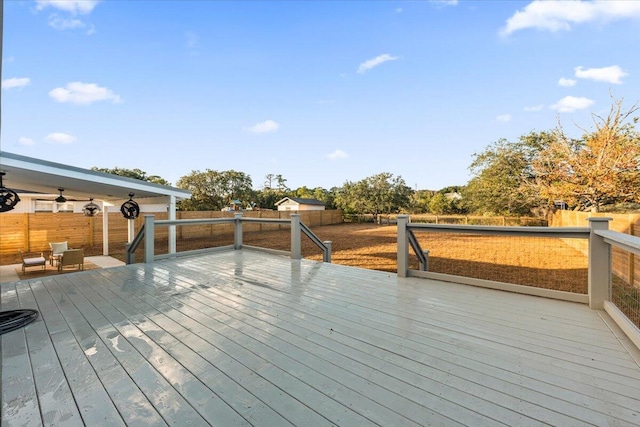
249	338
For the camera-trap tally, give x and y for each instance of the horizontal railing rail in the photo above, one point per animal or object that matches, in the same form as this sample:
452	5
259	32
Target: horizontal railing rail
623	241
494	230
193	221
147	234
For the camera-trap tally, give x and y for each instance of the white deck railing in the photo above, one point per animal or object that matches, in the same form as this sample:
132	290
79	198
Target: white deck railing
600	239
146	234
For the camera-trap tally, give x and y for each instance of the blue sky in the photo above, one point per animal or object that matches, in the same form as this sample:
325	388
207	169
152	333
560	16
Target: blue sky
320	92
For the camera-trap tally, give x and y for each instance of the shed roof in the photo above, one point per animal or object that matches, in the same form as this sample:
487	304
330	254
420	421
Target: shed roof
300	201
42	176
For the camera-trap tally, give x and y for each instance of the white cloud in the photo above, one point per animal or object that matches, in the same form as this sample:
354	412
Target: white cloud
504	118
398	10
60	24
444	2
567	82
264	127
84	94
374	62
15	82
60	138
612	74
534	108
337	155
81	7
560	15
25	141
569	104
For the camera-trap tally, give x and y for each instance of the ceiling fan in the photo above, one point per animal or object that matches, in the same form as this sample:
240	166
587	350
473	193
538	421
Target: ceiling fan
61	198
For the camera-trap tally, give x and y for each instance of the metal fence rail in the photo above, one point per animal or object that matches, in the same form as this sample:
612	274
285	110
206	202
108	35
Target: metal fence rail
146	234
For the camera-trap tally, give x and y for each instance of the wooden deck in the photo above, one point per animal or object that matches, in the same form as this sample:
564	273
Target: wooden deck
248	338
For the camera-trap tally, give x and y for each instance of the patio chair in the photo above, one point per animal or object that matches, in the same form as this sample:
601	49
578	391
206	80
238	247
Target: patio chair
56	251
72	257
32	260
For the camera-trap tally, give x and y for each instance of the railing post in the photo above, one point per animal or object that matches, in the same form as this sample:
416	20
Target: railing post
237	235
327	256
171	235
149	238
403	245
599	264
296	245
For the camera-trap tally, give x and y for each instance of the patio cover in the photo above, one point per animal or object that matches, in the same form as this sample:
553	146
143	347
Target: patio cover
41	176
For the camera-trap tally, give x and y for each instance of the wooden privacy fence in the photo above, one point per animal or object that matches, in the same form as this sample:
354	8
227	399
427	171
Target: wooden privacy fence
624	264
33	231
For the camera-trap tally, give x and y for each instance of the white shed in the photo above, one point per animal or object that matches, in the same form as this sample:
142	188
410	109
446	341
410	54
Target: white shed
298	204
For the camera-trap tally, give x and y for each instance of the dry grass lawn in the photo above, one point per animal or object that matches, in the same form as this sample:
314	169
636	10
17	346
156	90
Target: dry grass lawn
542	262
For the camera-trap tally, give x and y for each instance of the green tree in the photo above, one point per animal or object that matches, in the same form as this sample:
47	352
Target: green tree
439	204
381	193
274	189
502	176
213	190
133	173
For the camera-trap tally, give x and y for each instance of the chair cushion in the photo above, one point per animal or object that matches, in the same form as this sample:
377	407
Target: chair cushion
34	261
58	248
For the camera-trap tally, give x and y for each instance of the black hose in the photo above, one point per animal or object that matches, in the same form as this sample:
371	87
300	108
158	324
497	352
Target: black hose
11	320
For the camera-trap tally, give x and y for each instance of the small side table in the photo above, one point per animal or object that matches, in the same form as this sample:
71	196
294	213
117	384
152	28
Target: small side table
54	257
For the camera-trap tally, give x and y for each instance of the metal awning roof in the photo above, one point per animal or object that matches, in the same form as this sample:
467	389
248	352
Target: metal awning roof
41	176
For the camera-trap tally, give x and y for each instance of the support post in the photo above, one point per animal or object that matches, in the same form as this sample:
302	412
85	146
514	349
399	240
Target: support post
296	245
631	257
327	256
149	238
131	230
237	235
599	264
172	228
403	245
105	229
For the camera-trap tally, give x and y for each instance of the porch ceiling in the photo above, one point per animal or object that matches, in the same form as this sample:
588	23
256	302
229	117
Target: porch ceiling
41	176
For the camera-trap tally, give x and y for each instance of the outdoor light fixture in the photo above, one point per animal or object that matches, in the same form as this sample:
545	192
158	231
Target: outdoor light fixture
61	198
91	209
8	198
130	209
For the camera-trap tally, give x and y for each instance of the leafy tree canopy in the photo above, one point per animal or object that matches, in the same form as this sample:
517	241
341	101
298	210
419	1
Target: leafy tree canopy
602	167
213	190
381	193
133	173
